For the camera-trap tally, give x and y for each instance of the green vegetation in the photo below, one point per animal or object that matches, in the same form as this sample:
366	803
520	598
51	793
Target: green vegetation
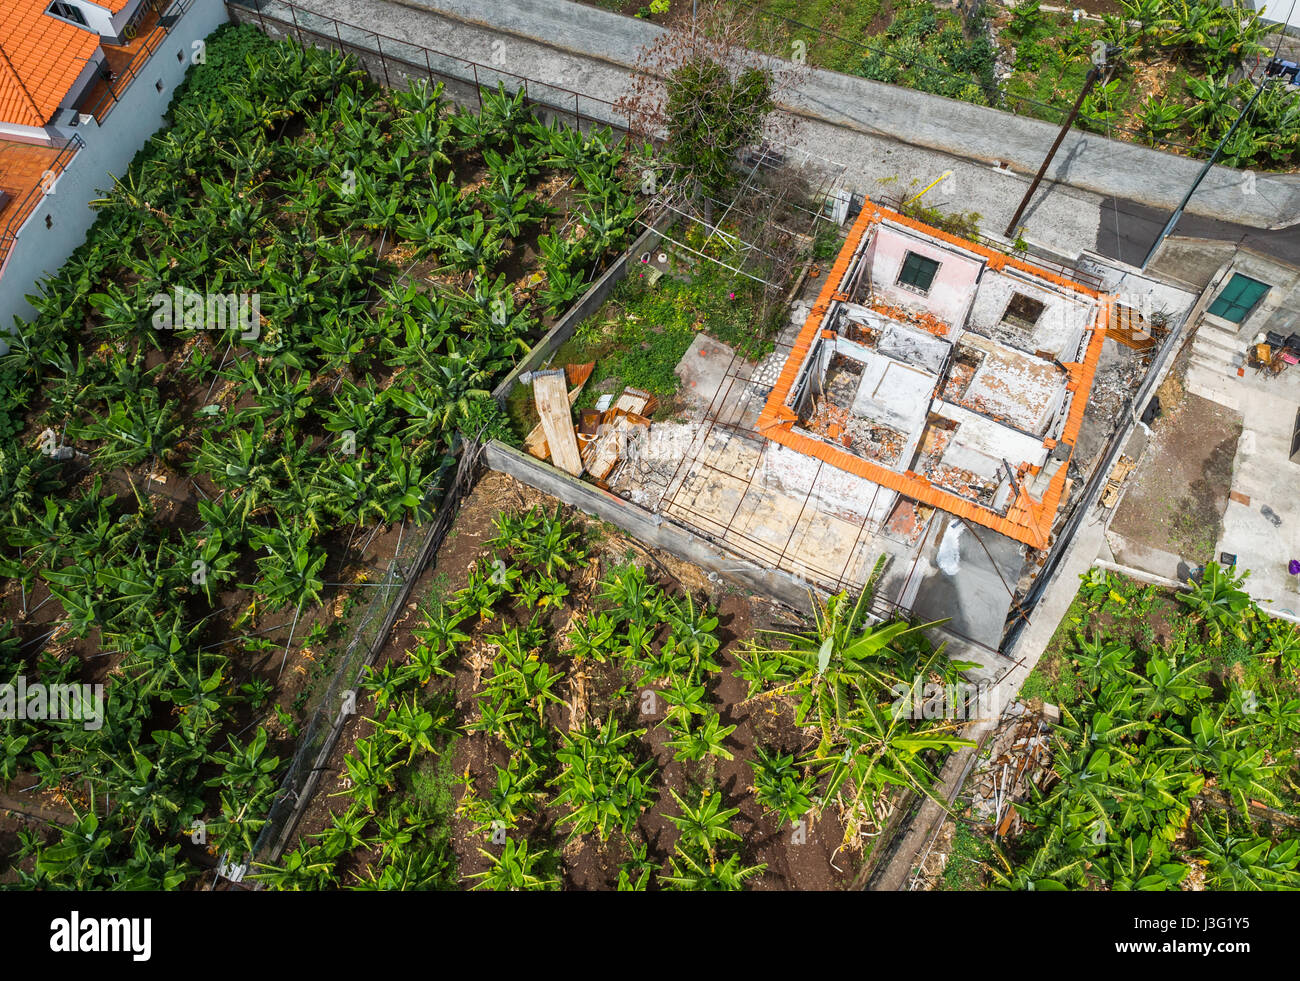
1170	86
928	49
1171	83
968	856
847	22
639	335
844	677
1172	748
712	114
330	411
569	671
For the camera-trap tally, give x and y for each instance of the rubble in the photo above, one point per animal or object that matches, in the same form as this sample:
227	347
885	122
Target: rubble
1019	754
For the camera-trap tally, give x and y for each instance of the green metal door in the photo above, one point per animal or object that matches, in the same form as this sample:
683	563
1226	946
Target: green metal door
1238	298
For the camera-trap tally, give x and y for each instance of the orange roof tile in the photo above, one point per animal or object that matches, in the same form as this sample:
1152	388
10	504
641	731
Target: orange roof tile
1026	520
40	58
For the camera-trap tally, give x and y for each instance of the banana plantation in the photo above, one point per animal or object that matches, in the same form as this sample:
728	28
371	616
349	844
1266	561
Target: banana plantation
190	512
1174	763
575	716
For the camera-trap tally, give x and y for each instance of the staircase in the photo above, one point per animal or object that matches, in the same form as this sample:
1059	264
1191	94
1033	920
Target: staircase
1217	352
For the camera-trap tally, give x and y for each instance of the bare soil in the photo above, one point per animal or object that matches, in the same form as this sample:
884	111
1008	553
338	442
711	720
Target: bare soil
1181	490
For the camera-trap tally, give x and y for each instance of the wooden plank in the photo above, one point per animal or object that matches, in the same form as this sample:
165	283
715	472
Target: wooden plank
633	400
557	420
577	375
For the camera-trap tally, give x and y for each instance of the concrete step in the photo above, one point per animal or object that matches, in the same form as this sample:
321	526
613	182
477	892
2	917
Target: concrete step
1214	386
1214	339
1225	351
1214	361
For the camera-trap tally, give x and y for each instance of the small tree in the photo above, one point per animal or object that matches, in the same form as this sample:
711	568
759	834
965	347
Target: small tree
702	91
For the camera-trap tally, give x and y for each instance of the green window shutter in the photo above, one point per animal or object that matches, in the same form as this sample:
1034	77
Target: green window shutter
918	271
1238	298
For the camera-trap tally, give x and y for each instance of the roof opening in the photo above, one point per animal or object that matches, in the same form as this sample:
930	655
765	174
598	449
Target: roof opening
1022	311
68	12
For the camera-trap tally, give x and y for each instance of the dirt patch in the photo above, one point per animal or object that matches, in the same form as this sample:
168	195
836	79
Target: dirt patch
1181	488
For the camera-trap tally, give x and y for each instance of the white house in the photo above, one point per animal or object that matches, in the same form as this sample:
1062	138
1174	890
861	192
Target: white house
83	85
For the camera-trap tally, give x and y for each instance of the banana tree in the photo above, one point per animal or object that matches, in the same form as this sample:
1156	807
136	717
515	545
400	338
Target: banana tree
600	781
516	869
289	574
1220	601
1247	862
403	486
134	430
472	246
695	873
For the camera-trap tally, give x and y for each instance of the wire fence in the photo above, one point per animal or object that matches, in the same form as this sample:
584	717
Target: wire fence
331	710
396	62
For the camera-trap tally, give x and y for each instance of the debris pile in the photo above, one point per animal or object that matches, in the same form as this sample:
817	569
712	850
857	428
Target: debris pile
959	379
876	442
830	421
575	376
962	482
927	322
1019	755
1110	495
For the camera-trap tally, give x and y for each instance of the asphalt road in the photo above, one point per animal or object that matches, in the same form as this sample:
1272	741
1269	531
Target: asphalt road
1127	230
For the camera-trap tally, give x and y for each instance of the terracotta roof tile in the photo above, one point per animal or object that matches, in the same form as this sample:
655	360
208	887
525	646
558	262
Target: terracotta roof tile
40	59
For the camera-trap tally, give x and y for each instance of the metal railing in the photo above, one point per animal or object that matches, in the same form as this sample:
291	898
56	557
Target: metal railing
28	202
399	60
107	100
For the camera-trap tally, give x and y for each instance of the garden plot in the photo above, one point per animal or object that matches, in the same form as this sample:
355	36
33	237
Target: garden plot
237	401
1173	763
1176	85
576	711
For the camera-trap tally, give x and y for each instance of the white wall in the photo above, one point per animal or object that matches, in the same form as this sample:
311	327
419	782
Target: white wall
1278	11
25	134
98	19
1058	328
40	251
954	283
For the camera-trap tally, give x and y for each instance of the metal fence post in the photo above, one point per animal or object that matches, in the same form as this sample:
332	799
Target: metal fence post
383	61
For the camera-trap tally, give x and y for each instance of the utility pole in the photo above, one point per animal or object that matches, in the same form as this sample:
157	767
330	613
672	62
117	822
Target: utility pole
1178	212
1098	67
